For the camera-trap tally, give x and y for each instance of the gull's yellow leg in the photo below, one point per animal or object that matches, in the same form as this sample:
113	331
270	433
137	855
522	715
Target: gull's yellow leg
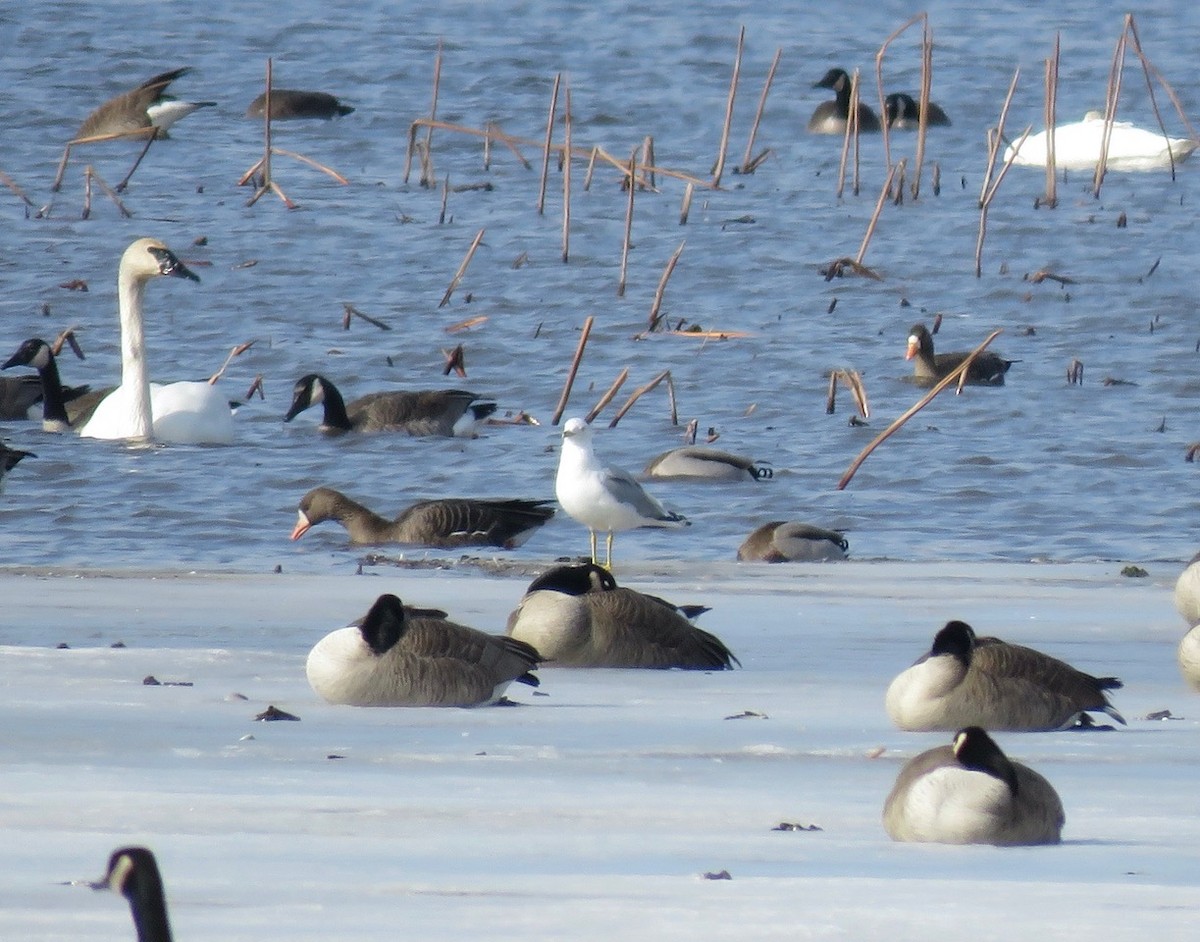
593	533
608	552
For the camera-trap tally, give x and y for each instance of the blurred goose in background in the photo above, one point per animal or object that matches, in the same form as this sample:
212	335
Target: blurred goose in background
577	616
1187	603
988	369
180	413
603	498
970	681
782	541
445	412
1077	147
903	112
830	116
397	656
9	457
141	109
62	407
288	104
708	464
133	872
972	793
449	522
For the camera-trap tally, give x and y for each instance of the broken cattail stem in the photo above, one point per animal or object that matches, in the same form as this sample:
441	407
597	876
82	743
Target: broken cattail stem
256	387
648	159
566	393
997	138
591	168
1110	107
854	125
87	192
427	180
235	352
923	107
719	168
541	200
1052	64
631	181
636	395
111	194
445	200
154	135
671	399
686	206
991	194
312	163
879	55
655	317
831	394
566	172
887	186
461	269
608	396
748	165
349	311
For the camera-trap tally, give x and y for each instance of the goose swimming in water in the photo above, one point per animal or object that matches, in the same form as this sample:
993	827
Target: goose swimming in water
830	117
987	369
972	793
446	412
903	112
141	109
62	407
181	413
1077	147
970	681
782	541
706	464
290	104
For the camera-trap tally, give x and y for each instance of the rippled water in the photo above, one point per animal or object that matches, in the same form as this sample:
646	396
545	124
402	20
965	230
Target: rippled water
1038	469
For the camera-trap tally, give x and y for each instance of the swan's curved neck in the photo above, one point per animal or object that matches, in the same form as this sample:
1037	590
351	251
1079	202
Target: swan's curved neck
135	374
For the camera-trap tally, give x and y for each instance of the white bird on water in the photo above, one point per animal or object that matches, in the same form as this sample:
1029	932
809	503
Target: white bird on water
603	498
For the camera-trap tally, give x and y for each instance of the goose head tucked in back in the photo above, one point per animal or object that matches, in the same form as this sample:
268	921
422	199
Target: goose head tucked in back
291	104
903	112
783	541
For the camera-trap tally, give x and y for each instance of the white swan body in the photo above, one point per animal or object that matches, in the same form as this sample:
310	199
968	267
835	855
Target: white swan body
1187	603
185	413
1077	147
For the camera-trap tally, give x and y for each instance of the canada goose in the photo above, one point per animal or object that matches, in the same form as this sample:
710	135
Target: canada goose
133	872
181	413
62	407
969	681
988	369
707	464
141	109
972	793
603	498
450	522
9	458
448	412
1187	603
903	112
782	541
830	116
577	616
398	656
18	395
289	104
1077	147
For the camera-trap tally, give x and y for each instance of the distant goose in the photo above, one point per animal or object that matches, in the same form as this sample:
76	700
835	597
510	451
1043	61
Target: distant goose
145	107
62	407
603	498
442	523
782	541
709	464
291	104
988	369
972	793
133	872
181	413
396	656
830	116
9	458
903	112
577	616
1077	147
1187	603
969	681
446	412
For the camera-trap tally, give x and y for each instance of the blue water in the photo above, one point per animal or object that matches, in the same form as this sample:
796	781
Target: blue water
1038	469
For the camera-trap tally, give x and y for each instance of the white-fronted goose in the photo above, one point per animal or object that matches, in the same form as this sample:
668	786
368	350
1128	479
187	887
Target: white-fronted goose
577	616
445	412
972	793
603	498
969	681
141	109
1187	603
988	368
290	104
133	872
396	656
62	406
903	112
445	523
783	541
181	413
830	116
706	464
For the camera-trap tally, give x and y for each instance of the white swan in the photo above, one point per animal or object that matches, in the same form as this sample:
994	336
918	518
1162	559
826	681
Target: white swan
186	413
1077	147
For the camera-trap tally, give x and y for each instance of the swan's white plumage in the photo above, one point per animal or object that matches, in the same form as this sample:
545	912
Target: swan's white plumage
1077	147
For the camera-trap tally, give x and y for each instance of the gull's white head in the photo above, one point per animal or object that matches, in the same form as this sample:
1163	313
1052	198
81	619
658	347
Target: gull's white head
576	427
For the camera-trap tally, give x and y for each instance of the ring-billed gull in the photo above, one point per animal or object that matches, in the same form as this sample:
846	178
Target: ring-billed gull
603	498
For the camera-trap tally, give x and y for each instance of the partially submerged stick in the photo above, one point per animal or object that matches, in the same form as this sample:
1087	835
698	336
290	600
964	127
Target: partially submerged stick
566	221
235	352
719	167
655	317
748	165
1052	64
887	188
350	311
541	200
632	183
608	396
566	393
461	269
637	394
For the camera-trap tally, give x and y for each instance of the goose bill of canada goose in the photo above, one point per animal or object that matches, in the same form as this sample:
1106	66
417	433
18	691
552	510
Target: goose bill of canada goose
830	117
141	110
783	541
693	462
577	616
133	872
987	369
445	412
396	656
903	112
970	681
972	793
604	499
1077	147
445	523
290	104
62	407
179	413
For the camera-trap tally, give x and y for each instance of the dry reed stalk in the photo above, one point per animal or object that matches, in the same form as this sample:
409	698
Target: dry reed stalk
648	159
887	141
461	269
68	337
991	195
575	361
887	188
91	139
235	352
887	433
748	165
1052	64
412	146
566	172
608	396
110	193
445	200
120	188
854	124
996	137
349	311
87	192
628	225
487	146
686	206
1149	69
852	380
591	168
655	317
1110	108
541	200
467	324
671	399
427	179
456	362
637	394
719	166
923	106
312	163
